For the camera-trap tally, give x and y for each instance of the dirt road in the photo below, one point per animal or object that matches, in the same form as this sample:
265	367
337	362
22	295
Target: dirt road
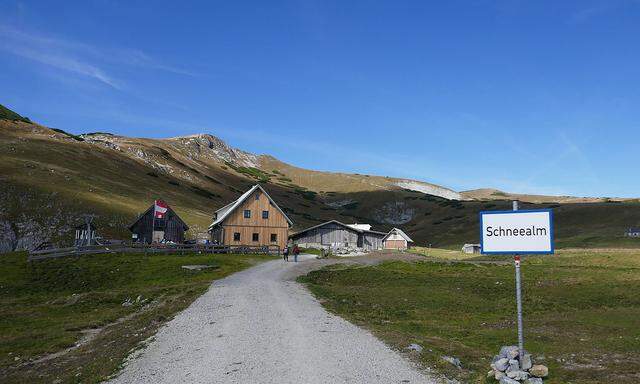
260	326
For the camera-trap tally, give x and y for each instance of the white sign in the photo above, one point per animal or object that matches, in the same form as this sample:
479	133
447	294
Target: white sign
516	231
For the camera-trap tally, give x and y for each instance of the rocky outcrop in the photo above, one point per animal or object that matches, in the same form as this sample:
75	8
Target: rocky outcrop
213	148
8	237
394	212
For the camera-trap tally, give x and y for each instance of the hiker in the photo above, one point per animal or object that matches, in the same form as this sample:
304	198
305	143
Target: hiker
285	253
296	252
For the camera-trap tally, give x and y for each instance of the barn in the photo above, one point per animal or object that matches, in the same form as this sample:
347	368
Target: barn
334	234
254	219
158	224
396	239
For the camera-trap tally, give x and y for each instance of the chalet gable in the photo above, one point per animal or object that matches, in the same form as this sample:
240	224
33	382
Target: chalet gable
223	213
399	232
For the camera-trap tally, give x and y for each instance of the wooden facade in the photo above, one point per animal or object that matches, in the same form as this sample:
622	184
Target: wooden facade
334	234
372	240
147	230
252	220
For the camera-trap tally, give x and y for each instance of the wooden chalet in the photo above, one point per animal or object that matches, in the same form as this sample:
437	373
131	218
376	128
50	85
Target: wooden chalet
396	239
166	226
337	235
254	219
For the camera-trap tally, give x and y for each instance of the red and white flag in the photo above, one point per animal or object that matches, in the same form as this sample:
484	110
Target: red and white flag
159	209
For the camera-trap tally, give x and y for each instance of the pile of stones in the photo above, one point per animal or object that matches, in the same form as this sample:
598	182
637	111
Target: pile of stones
508	368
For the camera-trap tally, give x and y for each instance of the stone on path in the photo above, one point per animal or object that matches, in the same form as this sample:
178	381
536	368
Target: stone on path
539	370
452	360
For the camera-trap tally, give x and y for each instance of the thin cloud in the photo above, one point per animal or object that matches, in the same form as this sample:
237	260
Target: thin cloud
77	57
49	52
587	14
138	58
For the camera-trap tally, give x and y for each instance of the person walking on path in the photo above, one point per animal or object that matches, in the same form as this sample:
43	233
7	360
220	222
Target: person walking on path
285	253
296	252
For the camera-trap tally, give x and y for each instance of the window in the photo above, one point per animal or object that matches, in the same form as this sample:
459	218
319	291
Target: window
265	214
274	237
257	195
247	213
256	237
236	236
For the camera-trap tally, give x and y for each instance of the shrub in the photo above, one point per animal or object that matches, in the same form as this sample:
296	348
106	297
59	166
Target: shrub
75	137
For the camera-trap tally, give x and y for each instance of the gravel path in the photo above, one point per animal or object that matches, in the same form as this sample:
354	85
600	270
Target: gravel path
260	326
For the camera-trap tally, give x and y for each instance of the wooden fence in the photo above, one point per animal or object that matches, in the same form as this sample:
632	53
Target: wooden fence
152	249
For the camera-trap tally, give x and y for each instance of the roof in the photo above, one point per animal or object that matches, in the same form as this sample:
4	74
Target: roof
350	227
399	232
186	227
224	212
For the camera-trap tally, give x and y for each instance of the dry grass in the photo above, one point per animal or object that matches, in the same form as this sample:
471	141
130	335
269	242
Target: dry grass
582	311
64	319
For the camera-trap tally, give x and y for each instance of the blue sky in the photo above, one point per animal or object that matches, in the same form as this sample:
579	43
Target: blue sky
525	96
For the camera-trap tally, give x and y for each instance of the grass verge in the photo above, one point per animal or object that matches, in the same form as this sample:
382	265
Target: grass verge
76	319
582	311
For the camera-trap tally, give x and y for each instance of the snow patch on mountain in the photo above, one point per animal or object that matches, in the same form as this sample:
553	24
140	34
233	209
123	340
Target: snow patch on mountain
429	189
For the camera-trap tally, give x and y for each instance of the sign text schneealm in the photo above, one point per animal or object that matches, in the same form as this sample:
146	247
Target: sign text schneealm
517	231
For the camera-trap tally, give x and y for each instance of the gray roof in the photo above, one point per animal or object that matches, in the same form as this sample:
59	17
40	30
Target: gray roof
399	232
339	223
223	212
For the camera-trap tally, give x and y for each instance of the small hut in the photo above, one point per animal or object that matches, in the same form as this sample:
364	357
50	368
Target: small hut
396	239
158	224
471	248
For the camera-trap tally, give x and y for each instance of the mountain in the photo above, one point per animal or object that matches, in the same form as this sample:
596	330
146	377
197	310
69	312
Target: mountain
49	178
7	114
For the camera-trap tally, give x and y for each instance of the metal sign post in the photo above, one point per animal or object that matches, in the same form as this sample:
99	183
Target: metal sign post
517	232
516	260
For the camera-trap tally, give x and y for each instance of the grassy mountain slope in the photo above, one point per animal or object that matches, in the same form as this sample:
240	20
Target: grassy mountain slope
494	194
7	114
347	182
48	178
